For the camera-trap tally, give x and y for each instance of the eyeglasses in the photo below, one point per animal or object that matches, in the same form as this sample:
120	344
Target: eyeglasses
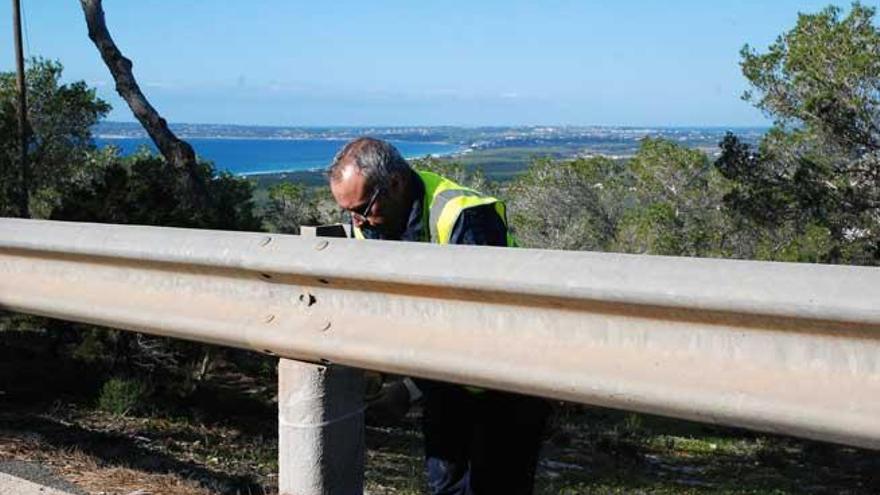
361	217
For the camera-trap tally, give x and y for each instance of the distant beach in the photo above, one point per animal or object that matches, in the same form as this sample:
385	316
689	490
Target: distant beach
247	156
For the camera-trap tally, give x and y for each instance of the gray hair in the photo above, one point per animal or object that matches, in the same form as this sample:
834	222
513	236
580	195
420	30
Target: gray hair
378	161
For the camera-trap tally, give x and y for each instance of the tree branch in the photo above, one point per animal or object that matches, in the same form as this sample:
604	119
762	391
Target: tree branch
177	153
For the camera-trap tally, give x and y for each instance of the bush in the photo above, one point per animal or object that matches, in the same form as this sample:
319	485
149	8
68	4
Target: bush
290	206
144	190
120	396
565	205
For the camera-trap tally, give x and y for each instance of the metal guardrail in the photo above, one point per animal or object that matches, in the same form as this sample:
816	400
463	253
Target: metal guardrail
779	347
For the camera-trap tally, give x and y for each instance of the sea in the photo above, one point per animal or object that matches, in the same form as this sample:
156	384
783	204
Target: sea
264	156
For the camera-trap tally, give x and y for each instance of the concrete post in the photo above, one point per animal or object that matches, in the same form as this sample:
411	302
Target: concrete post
320	424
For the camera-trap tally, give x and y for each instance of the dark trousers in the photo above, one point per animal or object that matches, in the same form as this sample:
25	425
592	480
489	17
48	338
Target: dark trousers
481	443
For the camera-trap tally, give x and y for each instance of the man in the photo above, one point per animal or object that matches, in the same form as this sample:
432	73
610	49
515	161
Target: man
476	441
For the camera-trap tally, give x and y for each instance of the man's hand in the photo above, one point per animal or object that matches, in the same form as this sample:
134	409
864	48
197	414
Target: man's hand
390	405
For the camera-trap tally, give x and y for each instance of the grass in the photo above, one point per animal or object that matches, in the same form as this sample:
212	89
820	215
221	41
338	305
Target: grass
119	396
223	439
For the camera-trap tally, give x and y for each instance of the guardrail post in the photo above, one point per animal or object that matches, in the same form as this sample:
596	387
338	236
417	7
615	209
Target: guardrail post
320	423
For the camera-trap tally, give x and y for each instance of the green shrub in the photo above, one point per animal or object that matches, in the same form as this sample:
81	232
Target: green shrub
120	396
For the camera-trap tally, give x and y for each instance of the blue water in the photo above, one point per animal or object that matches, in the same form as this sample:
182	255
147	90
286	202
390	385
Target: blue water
255	156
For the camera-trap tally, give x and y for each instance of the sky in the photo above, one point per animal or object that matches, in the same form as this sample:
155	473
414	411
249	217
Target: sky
405	63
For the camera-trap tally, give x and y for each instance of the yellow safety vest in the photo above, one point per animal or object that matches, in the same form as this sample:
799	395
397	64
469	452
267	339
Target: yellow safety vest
444	201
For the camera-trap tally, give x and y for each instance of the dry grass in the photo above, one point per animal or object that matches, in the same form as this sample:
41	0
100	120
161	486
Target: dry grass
127	481
91	474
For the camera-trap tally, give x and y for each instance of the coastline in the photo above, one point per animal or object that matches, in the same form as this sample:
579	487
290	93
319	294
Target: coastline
320	170
271	162
267	138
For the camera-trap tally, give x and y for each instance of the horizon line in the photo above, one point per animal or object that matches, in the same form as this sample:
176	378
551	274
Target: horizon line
458	126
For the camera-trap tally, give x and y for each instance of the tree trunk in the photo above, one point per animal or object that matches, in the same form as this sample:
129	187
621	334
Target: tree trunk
179	154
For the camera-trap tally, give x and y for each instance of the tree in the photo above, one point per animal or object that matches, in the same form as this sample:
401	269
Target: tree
666	200
565	205
290	206
179	155
813	184
139	190
823	76
674	202
60	152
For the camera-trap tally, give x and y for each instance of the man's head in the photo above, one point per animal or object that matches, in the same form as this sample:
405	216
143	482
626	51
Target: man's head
369	178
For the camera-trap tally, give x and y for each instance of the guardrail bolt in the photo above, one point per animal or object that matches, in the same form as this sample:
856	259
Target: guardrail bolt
265	240
321	245
269	318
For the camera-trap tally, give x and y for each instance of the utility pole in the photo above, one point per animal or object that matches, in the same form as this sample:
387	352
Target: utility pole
24	197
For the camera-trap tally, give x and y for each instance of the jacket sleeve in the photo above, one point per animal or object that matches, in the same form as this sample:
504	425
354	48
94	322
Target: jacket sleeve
481	226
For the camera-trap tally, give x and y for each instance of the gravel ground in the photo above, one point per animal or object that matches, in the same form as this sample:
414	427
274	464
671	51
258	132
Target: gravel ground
35	473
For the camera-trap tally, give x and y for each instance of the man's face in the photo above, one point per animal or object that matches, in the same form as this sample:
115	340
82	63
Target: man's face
370	208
